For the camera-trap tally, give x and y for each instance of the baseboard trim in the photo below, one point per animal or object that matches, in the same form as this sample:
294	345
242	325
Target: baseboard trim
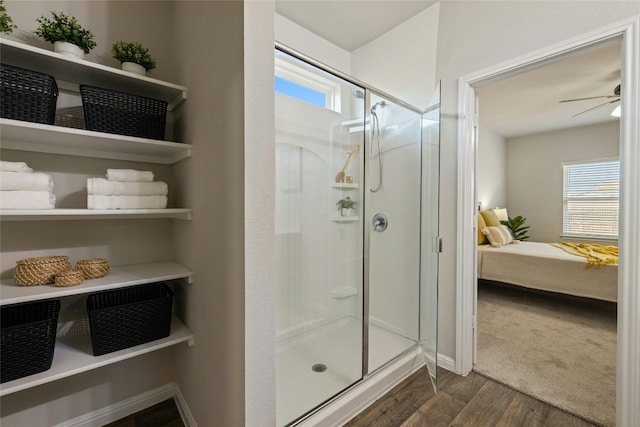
445	362
122	409
183	408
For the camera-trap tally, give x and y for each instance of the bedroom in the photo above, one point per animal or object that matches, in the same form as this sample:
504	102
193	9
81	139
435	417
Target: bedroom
525	135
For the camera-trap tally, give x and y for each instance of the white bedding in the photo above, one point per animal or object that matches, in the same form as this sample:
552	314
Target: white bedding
542	266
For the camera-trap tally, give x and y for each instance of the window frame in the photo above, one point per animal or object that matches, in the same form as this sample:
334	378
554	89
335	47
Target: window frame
566	231
302	77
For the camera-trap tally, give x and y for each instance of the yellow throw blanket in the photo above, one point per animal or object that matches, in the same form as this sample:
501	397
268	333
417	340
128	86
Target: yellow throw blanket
595	254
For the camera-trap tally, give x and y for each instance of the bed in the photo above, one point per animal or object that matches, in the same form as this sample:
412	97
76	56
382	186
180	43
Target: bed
544	267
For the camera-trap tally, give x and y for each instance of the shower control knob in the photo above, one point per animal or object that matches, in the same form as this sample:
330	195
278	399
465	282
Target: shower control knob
380	222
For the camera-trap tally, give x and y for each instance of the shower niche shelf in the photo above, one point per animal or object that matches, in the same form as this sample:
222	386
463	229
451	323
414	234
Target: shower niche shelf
345	186
345	219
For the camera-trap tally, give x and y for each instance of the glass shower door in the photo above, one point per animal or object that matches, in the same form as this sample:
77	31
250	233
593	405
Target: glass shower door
320	128
431	244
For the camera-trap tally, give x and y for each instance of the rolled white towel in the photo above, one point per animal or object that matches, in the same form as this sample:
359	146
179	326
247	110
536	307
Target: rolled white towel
14	167
28	181
129	175
101	186
126	202
27	200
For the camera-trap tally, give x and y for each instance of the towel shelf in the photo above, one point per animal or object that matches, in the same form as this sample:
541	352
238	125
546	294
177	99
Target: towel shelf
71	356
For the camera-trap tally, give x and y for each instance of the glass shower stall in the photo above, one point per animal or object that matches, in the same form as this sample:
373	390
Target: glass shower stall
356	233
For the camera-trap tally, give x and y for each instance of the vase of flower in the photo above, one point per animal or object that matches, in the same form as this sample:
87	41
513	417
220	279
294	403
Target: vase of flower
66	34
133	57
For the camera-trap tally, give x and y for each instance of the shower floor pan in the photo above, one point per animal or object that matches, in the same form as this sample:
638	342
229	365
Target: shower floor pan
302	383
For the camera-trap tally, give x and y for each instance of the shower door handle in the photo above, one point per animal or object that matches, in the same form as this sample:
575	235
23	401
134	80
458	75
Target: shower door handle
380	222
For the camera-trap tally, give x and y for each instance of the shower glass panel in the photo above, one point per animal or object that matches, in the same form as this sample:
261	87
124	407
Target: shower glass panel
394	253
430	247
320	137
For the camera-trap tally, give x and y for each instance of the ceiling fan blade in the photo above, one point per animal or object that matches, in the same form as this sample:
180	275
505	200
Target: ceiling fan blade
597	106
591	97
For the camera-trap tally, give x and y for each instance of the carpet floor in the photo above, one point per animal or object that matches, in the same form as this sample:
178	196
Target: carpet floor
559	350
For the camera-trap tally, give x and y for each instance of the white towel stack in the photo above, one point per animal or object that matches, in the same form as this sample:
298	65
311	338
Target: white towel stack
22	188
126	189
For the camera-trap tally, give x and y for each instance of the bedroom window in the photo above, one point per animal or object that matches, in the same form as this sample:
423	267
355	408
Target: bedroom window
591	194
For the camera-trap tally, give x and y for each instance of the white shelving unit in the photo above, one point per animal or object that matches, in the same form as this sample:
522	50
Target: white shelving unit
73	356
80	71
84	214
41	138
118	277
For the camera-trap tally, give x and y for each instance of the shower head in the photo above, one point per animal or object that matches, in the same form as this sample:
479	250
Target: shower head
380	104
358	94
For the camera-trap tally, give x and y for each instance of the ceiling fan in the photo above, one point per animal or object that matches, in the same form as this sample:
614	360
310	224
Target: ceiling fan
616	95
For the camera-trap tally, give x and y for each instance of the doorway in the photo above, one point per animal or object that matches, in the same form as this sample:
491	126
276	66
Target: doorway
629	244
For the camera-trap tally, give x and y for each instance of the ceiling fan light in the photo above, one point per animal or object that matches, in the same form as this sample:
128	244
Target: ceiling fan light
616	111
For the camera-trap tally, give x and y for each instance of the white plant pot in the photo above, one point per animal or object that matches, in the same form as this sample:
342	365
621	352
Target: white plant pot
132	67
68	49
346	212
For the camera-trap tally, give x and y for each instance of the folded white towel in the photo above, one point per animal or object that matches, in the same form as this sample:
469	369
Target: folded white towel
126	202
27	200
14	167
104	187
129	175
28	181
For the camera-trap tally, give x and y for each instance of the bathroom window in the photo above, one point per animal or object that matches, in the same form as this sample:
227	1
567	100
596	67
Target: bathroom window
591	199
306	86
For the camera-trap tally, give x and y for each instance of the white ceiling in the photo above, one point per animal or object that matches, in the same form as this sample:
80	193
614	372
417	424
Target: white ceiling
353	23
521	104
528	102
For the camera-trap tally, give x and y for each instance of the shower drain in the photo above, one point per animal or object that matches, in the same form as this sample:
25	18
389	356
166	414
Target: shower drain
319	367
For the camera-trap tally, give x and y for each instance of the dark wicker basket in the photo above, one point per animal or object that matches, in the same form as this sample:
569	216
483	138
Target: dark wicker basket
28	338
123	113
27	95
128	317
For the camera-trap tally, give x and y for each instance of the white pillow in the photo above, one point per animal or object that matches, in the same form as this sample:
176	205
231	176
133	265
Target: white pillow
501	214
498	236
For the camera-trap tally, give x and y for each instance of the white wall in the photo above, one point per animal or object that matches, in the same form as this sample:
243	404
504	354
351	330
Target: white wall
260	304
304	41
402	62
491	169
534	172
475	35
209	50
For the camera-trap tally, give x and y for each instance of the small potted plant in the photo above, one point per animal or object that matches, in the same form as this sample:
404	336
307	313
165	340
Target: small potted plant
133	57
66	34
6	23
346	206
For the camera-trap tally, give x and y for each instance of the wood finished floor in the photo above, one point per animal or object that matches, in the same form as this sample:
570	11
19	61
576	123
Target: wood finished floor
471	401
164	414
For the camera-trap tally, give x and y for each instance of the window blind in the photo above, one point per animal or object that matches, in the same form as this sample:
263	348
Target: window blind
591	194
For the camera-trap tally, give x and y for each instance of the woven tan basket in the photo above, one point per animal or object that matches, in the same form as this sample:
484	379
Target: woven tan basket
69	278
40	270
94	267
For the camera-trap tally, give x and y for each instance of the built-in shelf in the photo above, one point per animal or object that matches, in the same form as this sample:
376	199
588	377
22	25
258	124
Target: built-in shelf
73	356
118	277
41	138
345	219
81	71
92	214
344	186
